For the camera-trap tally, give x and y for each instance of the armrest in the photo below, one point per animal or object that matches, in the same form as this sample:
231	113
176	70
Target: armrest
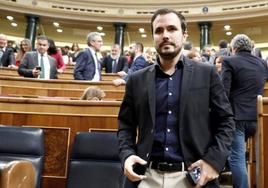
17	174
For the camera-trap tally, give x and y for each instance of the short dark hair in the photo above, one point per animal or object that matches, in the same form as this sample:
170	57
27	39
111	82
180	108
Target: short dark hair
42	37
223	44
187	45
139	45
165	11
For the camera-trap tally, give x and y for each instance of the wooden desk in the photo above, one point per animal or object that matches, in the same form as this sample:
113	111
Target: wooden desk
70	84
66	75
54	92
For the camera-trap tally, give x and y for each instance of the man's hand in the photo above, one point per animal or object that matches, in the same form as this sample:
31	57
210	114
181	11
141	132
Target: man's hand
36	72
118	81
122	73
128	168
59	71
208	173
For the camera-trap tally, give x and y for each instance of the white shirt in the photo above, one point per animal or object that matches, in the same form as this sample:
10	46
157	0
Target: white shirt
46	64
97	72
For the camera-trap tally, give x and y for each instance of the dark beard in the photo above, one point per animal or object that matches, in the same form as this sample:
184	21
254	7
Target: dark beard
168	55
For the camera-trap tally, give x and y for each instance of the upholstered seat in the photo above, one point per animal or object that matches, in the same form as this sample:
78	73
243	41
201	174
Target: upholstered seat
23	143
94	162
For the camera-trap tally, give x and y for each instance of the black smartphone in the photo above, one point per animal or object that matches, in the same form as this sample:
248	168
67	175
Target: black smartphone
139	169
38	68
194	175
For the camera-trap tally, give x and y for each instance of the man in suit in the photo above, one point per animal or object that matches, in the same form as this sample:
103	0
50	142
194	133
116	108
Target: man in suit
38	64
139	62
169	107
7	57
87	65
115	63
243	76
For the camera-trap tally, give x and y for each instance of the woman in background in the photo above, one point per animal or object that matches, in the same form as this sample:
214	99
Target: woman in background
75	51
25	46
53	52
93	94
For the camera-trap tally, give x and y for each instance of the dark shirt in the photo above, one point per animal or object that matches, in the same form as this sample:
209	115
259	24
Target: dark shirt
166	146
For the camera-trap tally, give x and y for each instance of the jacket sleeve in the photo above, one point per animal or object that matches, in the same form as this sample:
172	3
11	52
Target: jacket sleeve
11	58
81	61
125	64
127	125
223	125
226	74
24	69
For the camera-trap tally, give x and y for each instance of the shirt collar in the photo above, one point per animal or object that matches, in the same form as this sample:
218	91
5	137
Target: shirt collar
45	54
92	50
179	65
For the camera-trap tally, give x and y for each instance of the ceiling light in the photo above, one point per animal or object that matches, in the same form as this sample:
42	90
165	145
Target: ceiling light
227	27
99	28
141	30
59	30
102	34
14	24
56	24
228	33
10	18
143	35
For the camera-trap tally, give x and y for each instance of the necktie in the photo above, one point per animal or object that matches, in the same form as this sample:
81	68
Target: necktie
42	75
114	66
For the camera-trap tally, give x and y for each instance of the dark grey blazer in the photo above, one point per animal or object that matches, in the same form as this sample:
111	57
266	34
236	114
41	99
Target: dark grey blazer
122	64
30	61
244	76
85	67
8	58
202	94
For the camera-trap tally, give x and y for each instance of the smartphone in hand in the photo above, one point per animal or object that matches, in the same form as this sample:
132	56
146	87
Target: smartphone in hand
194	175
38	68
139	169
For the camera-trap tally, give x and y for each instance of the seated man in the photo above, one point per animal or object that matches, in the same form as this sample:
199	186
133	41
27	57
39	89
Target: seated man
38	64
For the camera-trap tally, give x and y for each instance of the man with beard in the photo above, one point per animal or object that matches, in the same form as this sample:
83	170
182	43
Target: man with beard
139	62
165	120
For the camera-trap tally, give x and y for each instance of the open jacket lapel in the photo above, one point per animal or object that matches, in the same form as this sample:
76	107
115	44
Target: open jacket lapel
185	86
35	57
150	82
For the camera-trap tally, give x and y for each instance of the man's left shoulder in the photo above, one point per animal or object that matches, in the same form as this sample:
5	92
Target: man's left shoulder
197	64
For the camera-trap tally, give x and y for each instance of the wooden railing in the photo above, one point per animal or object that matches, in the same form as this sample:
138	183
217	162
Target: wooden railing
38	92
66	75
262	142
70	84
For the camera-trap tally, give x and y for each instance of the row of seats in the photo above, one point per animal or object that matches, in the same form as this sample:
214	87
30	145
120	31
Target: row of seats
94	159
